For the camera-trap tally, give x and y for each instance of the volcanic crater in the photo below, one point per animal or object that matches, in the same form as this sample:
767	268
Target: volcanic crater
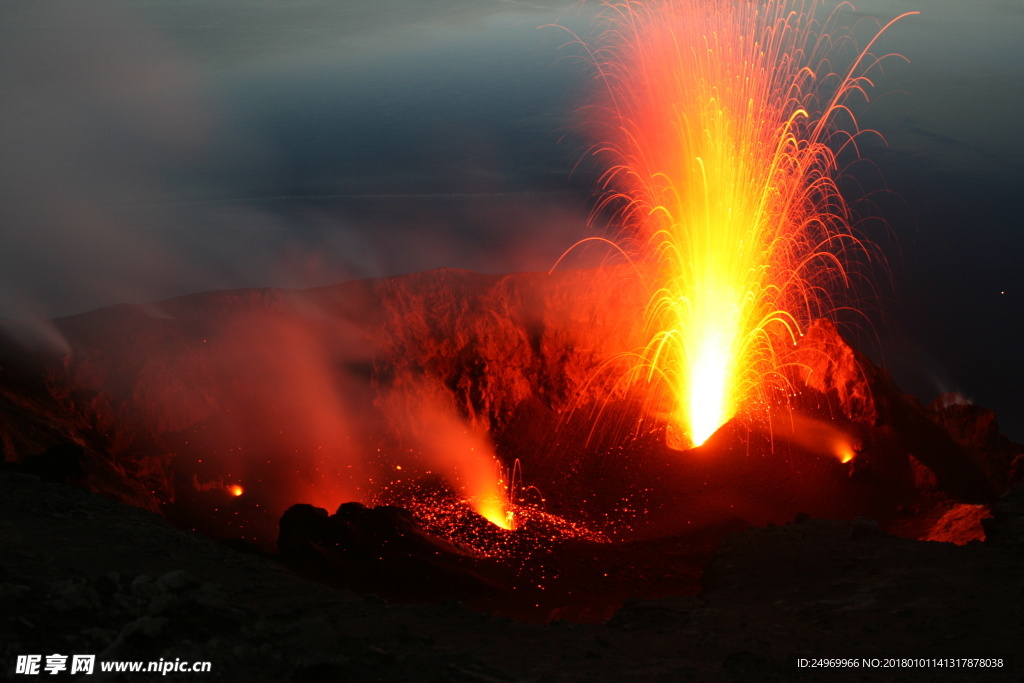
345	432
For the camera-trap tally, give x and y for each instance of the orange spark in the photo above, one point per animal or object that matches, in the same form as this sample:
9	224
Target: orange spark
721	122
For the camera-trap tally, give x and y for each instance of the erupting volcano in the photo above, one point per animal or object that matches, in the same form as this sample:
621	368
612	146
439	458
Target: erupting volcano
723	122
513	441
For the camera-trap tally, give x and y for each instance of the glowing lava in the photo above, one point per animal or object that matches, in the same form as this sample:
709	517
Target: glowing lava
723	137
472	467
496	510
462	454
445	516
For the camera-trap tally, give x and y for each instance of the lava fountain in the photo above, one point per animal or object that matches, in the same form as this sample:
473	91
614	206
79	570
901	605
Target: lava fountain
723	121
448	445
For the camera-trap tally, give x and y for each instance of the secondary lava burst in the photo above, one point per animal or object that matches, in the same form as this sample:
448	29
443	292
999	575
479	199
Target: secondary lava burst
722	121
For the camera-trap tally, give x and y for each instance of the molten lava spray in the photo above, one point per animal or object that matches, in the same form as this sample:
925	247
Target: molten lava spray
722	122
450	446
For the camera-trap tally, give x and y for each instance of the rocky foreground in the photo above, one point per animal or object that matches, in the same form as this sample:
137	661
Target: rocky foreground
84	574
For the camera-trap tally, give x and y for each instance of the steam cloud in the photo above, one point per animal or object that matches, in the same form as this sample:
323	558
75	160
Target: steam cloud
156	150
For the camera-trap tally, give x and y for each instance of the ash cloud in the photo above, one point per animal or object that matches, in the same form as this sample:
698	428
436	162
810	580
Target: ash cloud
87	134
156	149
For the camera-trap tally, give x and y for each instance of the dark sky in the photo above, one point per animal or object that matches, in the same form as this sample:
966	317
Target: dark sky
155	147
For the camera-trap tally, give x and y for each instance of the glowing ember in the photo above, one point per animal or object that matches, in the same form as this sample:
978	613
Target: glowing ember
447	517
496	510
722	122
236	490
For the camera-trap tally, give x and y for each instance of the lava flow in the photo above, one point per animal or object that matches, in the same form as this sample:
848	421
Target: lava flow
722	121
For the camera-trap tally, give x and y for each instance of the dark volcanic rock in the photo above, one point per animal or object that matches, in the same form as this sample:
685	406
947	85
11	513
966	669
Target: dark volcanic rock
976	429
848	383
382	551
74	464
84	574
1006	527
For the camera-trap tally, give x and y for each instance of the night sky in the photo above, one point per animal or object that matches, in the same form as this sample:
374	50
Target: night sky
150	148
